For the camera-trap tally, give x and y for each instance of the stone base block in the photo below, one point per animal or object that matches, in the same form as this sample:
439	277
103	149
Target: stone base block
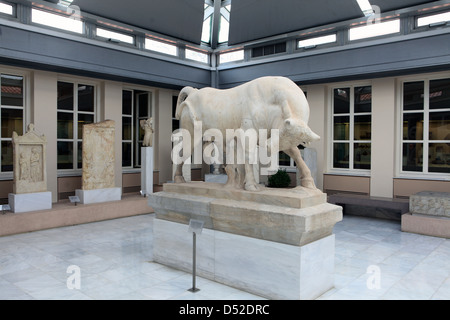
30	201
269	269
99	195
427	225
290	216
430	203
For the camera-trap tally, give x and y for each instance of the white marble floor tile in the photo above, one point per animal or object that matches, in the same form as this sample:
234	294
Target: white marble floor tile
115	262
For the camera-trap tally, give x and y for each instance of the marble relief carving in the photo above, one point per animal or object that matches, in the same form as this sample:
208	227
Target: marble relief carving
29	162
98	155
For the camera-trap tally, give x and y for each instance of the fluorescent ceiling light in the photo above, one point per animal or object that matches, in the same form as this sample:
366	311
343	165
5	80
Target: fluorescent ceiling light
436	18
365	6
312	42
374	30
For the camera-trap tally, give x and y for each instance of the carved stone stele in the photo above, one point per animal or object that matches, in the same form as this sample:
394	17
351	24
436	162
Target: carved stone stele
98	155
29	156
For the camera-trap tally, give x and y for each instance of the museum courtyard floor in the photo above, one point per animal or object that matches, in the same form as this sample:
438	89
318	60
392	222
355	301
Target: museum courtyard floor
374	260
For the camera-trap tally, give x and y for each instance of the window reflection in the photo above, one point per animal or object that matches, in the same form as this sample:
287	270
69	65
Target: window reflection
413	126
341	155
412	156
413	93
439	157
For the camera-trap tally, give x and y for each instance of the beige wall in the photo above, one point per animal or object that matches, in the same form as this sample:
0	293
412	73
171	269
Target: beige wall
43	105
318	123
383	137
163	143
111	109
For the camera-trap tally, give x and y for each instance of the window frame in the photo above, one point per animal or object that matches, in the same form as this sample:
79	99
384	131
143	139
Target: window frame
8	175
351	141
75	171
425	141
135	125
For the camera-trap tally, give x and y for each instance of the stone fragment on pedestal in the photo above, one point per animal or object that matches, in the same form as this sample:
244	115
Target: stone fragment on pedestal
98	178
429	214
30	173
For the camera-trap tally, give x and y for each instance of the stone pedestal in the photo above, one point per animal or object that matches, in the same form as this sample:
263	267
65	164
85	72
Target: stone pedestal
147	170
429	214
99	195
276	243
26	202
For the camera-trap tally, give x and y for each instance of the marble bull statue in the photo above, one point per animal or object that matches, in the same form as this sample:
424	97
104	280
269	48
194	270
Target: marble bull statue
264	103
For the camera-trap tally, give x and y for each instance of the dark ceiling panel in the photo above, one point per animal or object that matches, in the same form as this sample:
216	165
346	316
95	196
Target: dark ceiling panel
182	19
388	5
256	19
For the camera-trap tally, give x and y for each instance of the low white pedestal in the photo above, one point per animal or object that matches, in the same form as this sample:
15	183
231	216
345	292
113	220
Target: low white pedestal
99	195
30	201
147	170
269	269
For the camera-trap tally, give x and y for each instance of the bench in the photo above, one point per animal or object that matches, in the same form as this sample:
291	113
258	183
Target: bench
368	206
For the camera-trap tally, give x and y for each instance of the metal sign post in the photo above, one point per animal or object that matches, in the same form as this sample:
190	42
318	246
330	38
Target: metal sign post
74	199
195	226
4	208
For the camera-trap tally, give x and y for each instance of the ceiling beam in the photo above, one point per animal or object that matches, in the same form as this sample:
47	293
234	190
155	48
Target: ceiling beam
215	24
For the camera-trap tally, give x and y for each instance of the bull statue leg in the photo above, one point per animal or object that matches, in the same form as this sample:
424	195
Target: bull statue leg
250	183
307	180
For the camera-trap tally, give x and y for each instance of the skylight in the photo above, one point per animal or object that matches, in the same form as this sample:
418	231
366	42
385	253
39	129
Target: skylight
6	8
366	7
374	30
433	19
56	21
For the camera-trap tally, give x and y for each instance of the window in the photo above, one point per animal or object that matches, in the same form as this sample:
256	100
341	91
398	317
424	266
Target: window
197	56
435	19
426	126
232	56
58	21
12	116
6	8
161	47
313	42
76	107
136	106
374	30
351	128
114	36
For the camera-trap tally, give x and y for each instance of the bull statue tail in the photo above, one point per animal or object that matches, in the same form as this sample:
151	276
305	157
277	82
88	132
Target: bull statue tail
184	94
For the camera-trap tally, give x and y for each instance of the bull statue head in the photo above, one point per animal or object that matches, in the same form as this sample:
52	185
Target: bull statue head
296	132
